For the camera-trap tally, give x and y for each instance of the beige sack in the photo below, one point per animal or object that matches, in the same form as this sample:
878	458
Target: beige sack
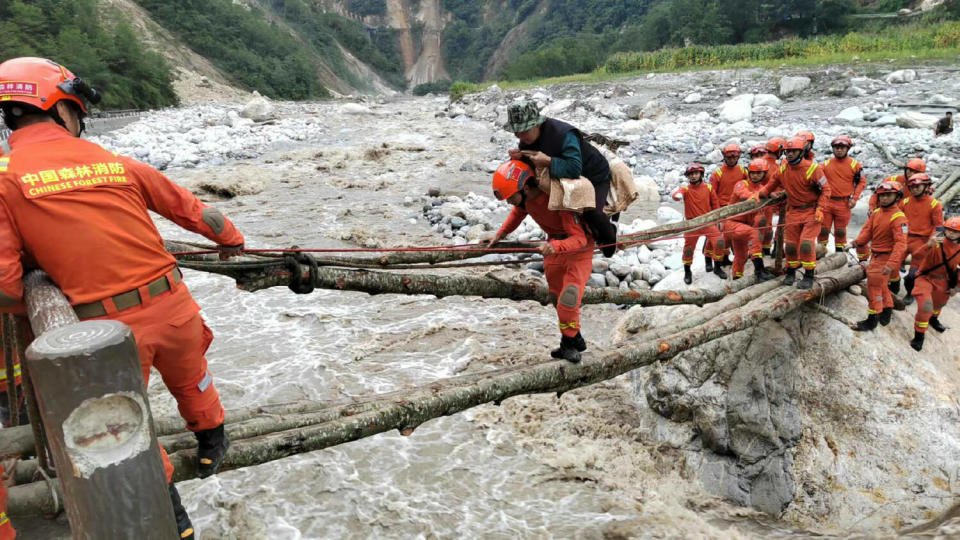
623	190
574	195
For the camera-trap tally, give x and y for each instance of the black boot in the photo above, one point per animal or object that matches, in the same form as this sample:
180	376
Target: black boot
908	283
807	281
708	263
184	527
767	252
579	343
884	317
917	341
726	260
567	351
687	274
791	277
719	271
869	323
838	249
894	286
213	445
760	271
937	325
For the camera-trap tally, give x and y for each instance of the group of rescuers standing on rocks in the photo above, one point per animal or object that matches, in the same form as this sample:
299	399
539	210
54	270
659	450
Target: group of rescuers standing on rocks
80	213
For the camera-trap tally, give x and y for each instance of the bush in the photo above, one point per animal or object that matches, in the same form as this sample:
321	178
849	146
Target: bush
435	87
461	88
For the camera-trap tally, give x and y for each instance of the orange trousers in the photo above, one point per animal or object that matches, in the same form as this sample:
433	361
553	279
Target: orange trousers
7	531
747	243
878	294
836	216
172	337
713	247
800	236
567	275
930	293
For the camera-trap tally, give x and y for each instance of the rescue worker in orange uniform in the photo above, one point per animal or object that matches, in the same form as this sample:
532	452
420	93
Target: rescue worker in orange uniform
727	175
745	232
698	199
81	212
7	532
936	281
913	166
775	148
886	234
924	215
845	176
808	140
807	193
567	253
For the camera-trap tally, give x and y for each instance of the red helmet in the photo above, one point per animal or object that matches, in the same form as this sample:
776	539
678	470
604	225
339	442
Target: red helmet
953	224
842	140
42	83
510	177
795	143
732	148
776	144
758	165
692	168
889	187
919	180
757	150
917	164
807	136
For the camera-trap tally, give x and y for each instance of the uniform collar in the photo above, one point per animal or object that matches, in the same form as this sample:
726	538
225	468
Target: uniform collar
38	133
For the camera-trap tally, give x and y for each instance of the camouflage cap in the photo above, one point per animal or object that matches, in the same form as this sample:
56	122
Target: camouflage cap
522	116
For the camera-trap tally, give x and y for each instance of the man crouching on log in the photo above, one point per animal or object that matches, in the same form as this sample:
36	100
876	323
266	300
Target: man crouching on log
567	253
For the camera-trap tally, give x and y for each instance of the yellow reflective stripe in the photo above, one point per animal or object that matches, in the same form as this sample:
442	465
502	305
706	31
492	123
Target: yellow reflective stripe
871	312
898	214
809	265
16	372
827	162
710	187
4	519
719	173
811	170
923	324
743	169
783	167
187	532
853	164
907	200
934	203
936	313
573	325
4	161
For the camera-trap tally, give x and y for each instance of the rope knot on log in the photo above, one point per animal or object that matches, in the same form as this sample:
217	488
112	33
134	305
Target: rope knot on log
298	284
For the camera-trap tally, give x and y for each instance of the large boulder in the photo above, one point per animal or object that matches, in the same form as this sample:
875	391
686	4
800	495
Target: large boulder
850	115
911	119
791	86
665	215
648	189
766	100
738	109
258	109
901	76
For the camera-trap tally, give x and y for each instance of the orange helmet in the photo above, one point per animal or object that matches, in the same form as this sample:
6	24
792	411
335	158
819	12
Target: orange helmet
919	180
889	187
510	177
807	136
757	150
795	143
917	164
842	140
42	83
758	165
692	168
732	148
776	144
953	224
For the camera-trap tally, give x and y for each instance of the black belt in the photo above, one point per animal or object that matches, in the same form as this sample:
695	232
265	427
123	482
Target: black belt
558	236
130	298
919	235
840	198
802	206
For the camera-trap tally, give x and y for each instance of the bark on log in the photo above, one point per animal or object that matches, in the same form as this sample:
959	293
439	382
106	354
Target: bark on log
447	397
678	228
947	198
946	184
887	154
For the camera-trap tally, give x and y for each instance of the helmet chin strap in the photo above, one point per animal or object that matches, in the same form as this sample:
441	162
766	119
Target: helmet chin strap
797	161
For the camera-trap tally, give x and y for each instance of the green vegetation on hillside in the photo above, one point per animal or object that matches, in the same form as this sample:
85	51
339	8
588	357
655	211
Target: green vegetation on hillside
108	55
368	7
892	41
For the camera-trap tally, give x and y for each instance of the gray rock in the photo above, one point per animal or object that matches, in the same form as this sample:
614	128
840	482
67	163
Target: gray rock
600	266
597	280
791	86
258	109
611	279
620	270
911	119
624	286
850	115
458	222
901	76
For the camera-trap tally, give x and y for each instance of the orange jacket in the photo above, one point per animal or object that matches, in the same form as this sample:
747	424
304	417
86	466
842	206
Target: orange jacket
773	169
924	215
743	191
724	178
563	225
81	212
698	199
841	174
805	184
932	264
886	232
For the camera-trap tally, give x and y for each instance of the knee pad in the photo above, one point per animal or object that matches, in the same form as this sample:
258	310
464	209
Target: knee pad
927	306
570	296
791	250
806	246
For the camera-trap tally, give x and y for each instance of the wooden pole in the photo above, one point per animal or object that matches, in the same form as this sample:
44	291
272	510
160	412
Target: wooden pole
30	397
9	359
94	404
778	241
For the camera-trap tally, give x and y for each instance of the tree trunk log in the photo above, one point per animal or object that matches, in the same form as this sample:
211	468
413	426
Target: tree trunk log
946	184
449	397
887	154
